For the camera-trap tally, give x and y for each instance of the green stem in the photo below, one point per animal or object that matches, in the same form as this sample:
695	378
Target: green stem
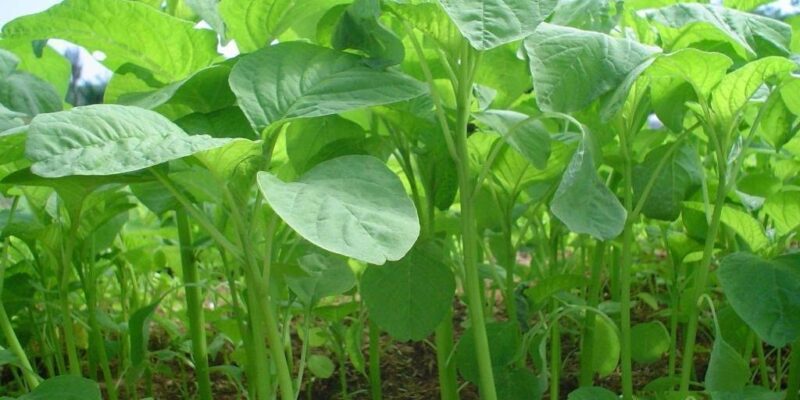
194	307
587	350
96	334
448	385
687	366
66	309
762	362
375	362
469	233
14	346
793	387
625	271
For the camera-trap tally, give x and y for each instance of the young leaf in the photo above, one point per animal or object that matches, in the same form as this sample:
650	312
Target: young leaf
299	80
649	342
326	275
360	29
529	136
27	94
65	387
740	222
735	89
584	203
784	209
727	370
571	68
408	298
487	24
311	141
681	173
107	139
682	25
765	293
352	205
132	32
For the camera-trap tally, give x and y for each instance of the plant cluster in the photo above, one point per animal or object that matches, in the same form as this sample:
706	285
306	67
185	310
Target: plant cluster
607	184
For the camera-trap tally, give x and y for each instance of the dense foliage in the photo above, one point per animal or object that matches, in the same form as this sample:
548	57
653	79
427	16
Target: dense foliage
609	187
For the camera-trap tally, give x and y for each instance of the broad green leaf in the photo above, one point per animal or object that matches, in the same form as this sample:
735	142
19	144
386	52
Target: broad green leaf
228	122
784	210
590	15
571	68
204	91
552	285
735	89
727	370
410	297
359	28
681	173
65	387
740	222
683	25
321	366
431	20
748	393
131	32
504	343
299	80
778	120
8	62
606	347
314	140
487	24
679	77
49	65
325	275
254	23
27	94
529	136
517	383
107	139
592	393
649	342
208	11
584	203
352	205
765	293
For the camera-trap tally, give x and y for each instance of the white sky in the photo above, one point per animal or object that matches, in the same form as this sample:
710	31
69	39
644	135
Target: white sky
10	9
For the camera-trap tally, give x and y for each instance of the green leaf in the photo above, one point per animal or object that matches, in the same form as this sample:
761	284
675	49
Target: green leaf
727	370
208	11
204	91
359	28
681	173
571	68
784	209
229	122
649	342
300	80
765	293
735	89
49	65
8	63
529	136
325	275
107	139
131	33
25	93
314	140
517	383
682	25
748	393
590	15
253	24
487	24
65	387
606	347
138	327
504	344
552	285
679	77
410	297
321	366
352	205
584	203
740	222
592	393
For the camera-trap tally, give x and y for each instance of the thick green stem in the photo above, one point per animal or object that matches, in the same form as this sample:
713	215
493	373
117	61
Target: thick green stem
194	307
687	366
375	362
625	271
66	309
587	350
469	233
793	387
96	333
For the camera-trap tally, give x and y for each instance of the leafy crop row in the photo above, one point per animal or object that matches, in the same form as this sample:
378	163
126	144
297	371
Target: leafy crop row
610	185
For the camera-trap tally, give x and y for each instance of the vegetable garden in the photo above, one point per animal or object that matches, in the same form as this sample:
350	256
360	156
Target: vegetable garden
562	199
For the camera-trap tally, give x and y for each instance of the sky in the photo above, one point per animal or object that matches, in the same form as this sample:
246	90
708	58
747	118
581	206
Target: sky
10	9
